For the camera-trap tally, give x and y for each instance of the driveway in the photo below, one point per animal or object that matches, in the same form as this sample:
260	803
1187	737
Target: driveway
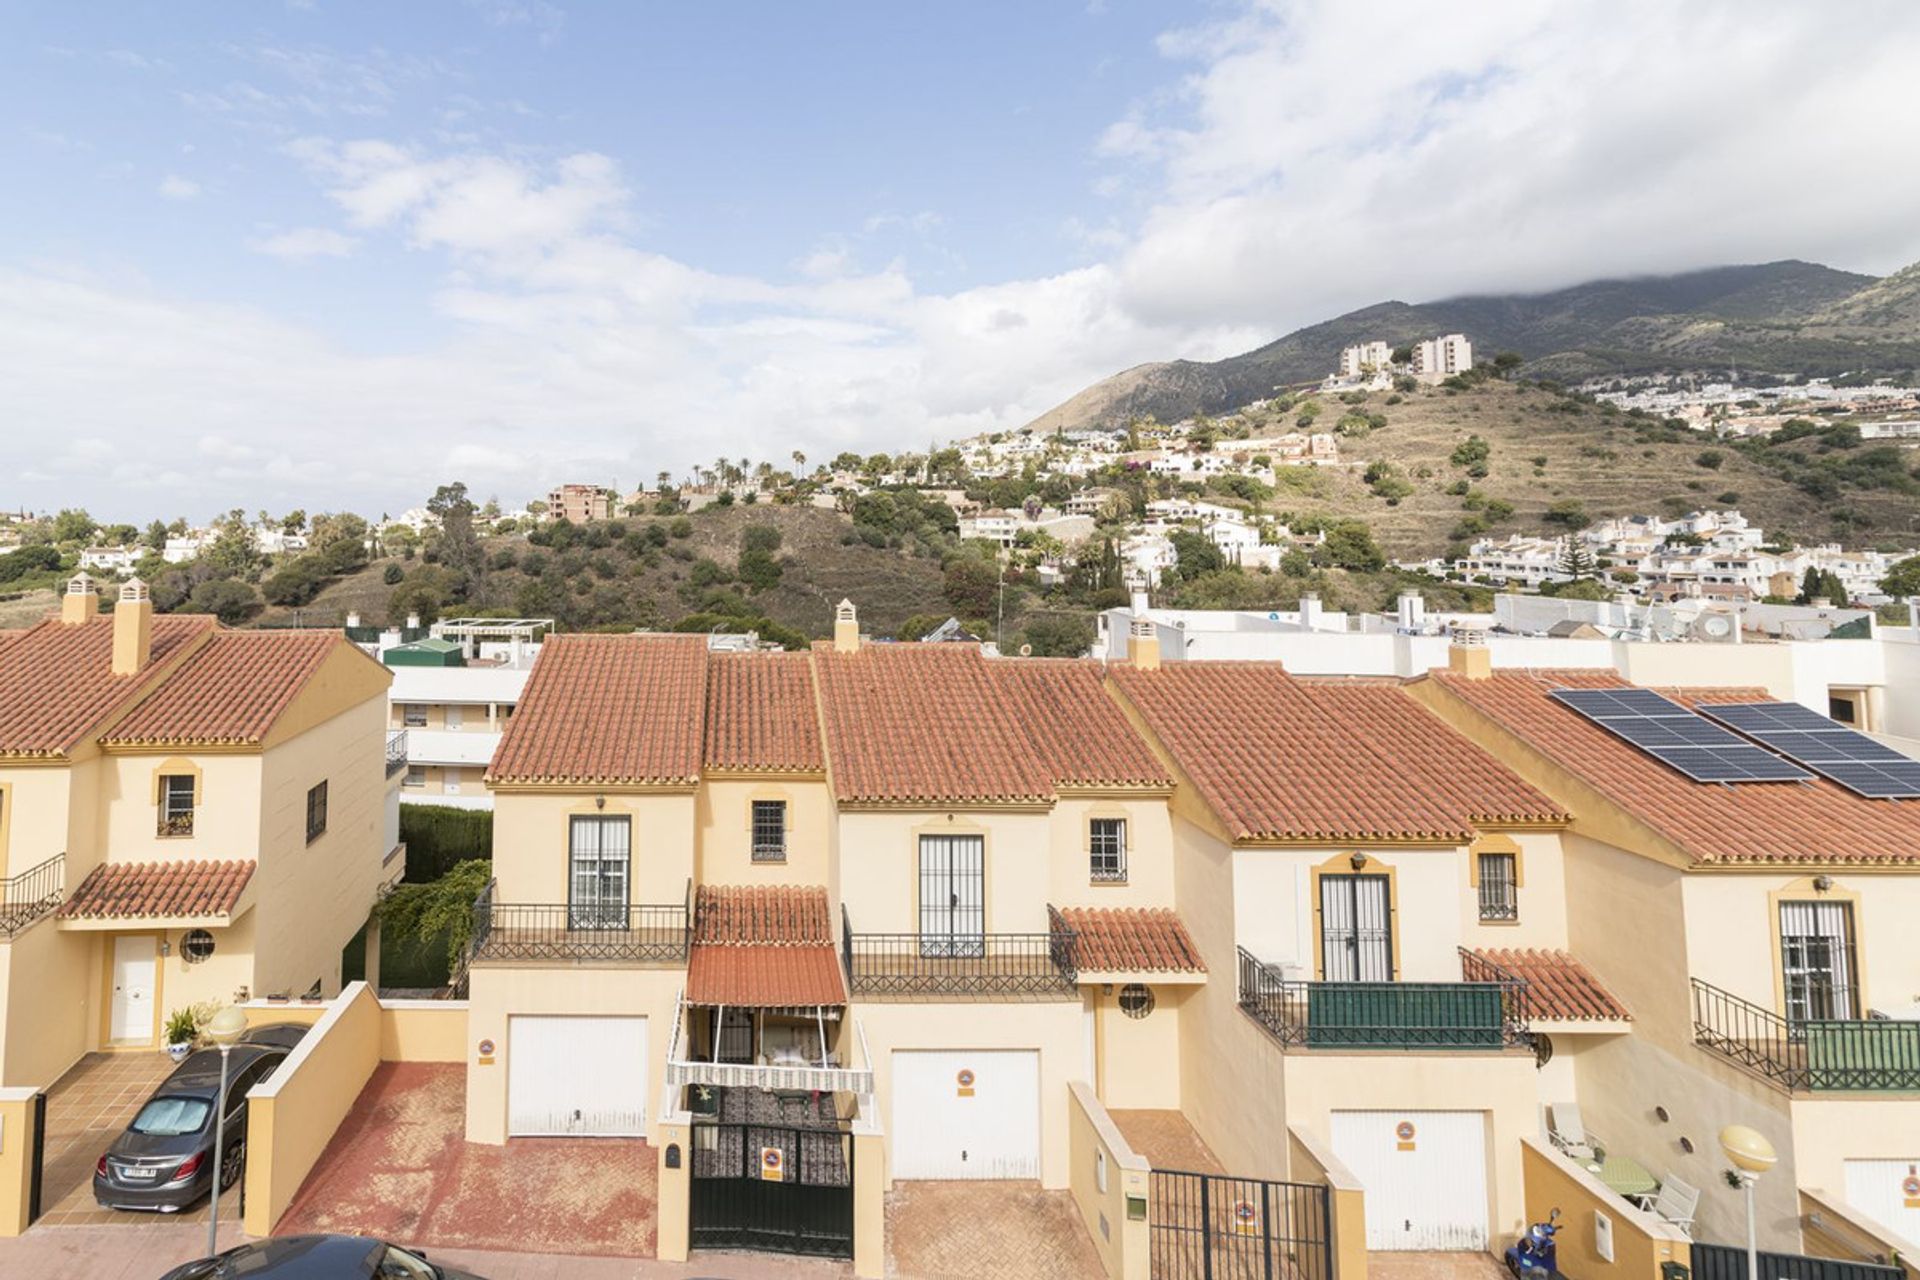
1383	1265
399	1168
86	1110
986	1231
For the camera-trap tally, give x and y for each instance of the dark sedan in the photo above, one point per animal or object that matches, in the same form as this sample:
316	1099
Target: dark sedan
317	1258
164	1160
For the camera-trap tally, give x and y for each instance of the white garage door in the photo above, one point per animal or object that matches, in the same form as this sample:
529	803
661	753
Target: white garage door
576	1077
1424	1173
1888	1191
966	1114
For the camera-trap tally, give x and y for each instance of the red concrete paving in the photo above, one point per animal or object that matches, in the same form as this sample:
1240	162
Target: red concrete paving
398	1168
1166	1140
986	1231
1434	1266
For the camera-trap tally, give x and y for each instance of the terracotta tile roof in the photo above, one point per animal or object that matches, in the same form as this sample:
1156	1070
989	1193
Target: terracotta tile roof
1082	737
1814	822
1558	986
229	690
126	890
609	710
764	947
761	713
57	683
1135	939
1277	758
915	723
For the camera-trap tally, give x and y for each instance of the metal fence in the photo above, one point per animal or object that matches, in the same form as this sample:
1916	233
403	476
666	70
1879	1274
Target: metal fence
396	752
644	932
774	1188
1726	1262
32	894
1487	1014
1814	1055
961	964
1206	1226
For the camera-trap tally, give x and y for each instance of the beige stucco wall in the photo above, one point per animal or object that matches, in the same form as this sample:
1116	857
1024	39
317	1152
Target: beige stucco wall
1054	1028
423	1031
725	816
48	1022
1541	897
1138	1059
530	843
35	825
1830	1130
1641	1242
226	817
880	866
1099	1152
1149	881
496	992
16	1159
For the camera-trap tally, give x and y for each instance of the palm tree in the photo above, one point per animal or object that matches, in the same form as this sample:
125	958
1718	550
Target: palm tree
799	461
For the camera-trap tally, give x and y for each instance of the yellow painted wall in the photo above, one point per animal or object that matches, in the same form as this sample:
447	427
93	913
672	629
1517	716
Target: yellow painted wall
219	979
292	1115
1834	1229
1149	880
423	1031
1053	1027
36	823
1097	1150
673	1193
1828	1131
226	816
869	1201
530	843
880	866
1139	1058
1314	1161
16	1158
1541	898
726	850
50	1004
1641	1242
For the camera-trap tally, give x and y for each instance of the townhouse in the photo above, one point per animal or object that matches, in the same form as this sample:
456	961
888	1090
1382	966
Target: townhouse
187	814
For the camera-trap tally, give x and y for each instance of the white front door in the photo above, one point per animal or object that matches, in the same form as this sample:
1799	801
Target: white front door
576	1077
966	1113
1424	1174
1888	1191
134	965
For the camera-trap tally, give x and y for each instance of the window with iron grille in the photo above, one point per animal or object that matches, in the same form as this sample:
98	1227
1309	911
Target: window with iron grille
176	804
1498	898
1107	839
316	811
413	716
769	830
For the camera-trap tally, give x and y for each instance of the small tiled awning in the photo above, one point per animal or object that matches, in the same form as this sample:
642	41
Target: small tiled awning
1559	987
185	889
764	947
1132	940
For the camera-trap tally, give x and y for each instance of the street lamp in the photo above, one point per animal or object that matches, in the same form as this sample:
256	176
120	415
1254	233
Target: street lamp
224	1029
1752	1155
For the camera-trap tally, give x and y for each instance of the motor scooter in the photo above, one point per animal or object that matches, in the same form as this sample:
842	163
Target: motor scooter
1533	1255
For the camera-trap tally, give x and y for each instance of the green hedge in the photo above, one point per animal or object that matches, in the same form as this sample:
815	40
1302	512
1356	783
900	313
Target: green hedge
437	836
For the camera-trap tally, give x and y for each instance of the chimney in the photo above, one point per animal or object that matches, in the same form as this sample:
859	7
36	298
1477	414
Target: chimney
81	603
1143	638
1468	655
846	628
132	628
1310	611
353	620
1413	611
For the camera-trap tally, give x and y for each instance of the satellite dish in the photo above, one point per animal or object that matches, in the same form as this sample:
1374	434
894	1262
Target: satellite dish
1713	627
1026	651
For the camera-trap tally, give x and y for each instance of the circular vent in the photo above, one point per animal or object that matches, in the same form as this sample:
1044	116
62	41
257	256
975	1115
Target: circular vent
196	946
1136	1001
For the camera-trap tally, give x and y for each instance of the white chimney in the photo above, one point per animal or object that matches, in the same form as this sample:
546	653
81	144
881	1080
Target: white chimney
1413	611
1310	611
413	622
353	619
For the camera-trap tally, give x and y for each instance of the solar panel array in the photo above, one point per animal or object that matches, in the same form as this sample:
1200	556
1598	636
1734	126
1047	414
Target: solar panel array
1678	738
1831	750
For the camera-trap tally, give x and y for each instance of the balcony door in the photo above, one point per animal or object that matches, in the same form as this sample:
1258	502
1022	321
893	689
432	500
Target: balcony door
1356	929
599	853
1816	960
953	913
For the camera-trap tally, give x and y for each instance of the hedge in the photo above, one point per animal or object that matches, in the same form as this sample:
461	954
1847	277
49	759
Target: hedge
437	836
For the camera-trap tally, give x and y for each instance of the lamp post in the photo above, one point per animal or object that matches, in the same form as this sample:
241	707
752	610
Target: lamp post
224	1029
1752	1155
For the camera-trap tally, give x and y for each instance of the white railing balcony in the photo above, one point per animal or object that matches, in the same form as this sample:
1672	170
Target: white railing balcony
830	1076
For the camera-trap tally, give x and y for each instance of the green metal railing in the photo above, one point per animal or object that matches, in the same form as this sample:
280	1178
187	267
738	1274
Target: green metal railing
1814	1055
1384	1015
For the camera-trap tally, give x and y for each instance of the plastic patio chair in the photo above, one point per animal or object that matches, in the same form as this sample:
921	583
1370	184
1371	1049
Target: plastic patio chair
1570	1134
1675	1203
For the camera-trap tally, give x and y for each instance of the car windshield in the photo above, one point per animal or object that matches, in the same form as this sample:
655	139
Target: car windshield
398	1264
169	1117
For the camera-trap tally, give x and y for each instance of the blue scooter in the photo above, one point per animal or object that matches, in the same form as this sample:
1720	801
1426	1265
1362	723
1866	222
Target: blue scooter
1532	1256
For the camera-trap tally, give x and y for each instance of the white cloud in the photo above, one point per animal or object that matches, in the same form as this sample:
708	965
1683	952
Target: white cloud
305	242
175	187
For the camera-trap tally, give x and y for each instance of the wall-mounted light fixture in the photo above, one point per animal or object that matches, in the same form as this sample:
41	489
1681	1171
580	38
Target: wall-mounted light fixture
1358	860
599	802
1822	883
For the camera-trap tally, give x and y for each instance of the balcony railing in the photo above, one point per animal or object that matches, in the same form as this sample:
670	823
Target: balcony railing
32	894
631	932
961	965
827	1077
1815	1055
396	752
1485	1013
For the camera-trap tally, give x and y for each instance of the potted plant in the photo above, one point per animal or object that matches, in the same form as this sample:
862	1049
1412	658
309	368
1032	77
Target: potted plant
183	1027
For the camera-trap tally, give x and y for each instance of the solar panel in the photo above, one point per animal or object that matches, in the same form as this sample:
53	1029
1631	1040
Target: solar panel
1678	738
1831	750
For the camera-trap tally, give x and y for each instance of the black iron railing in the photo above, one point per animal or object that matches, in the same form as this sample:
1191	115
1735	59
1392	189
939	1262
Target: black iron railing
957	965
1815	1055
32	894
643	933
1384	1015
396	752
1208	1226
1729	1262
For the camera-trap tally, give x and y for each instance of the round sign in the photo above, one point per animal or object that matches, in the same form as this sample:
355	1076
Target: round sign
486	1048
1244	1210
1911	1186
770	1157
965	1078
1404	1131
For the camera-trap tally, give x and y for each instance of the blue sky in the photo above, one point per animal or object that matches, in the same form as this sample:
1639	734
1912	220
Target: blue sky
325	254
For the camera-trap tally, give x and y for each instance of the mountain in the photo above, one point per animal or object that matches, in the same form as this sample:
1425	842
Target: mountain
1777	317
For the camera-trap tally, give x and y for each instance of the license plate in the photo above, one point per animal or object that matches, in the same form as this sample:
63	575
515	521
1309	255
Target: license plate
139	1175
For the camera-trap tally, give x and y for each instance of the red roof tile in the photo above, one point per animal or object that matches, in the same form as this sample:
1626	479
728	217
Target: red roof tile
1813	822
150	890
609	710
229	690
913	723
764	947
57	683
1128	940
1558	986
1082	737
761	713
1277	758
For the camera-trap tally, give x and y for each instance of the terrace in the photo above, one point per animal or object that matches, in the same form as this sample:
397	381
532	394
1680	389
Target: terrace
958	966
619	932
1812	1055
1486	1010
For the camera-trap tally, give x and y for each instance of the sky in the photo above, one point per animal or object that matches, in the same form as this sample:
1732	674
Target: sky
328	255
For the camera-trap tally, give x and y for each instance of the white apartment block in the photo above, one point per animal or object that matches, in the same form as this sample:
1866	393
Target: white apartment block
1365	358
1442	357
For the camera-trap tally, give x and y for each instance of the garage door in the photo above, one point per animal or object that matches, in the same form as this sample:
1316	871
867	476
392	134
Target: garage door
576	1077
1888	1191
966	1114
1424	1173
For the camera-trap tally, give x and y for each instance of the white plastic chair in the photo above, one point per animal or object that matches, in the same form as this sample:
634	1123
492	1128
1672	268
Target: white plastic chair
1569	1134
1675	1203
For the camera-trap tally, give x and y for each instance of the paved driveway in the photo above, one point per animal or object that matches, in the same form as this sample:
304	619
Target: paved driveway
986	1231
399	1168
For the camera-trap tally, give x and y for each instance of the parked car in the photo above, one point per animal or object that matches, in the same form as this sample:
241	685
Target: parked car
284	1035
317	1258
164	1159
